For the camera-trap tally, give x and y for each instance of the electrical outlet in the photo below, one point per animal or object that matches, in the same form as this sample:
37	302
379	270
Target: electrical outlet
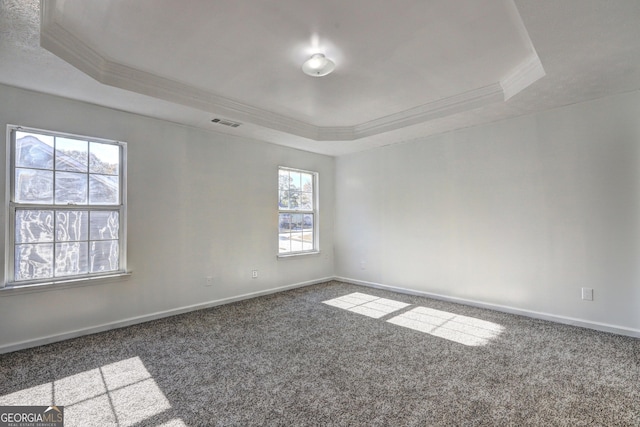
363	265
254	274
208	281
587	294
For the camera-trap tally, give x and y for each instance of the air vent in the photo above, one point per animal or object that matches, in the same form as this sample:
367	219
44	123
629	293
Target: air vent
226	122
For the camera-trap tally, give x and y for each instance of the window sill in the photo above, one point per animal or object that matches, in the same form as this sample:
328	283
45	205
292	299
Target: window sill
13	289
298	254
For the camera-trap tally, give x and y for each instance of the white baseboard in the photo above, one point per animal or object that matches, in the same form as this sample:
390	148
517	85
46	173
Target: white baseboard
605	327
148	317
621	330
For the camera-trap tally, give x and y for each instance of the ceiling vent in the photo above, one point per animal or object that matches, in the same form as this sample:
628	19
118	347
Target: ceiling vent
226	122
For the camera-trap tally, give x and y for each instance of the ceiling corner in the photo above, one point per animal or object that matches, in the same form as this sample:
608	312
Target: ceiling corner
522	76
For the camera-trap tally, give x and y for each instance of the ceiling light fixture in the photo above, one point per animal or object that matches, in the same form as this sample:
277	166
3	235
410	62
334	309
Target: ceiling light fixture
318	65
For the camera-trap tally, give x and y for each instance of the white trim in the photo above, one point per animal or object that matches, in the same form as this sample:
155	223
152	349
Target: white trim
69	282
296	254
57	40
528	71
522	76
314	211
620	330
433	110
60	42
7	348
7	207
598	326
12	206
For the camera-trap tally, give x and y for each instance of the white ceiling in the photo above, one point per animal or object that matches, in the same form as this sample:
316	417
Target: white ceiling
404	69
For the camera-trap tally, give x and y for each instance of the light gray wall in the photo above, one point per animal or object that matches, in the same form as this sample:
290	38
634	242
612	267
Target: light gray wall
520	213
200	204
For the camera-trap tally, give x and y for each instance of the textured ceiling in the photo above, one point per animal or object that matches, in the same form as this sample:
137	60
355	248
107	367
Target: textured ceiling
405	70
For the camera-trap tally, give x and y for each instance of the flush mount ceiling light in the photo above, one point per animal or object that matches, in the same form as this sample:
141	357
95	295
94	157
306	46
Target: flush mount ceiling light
318	65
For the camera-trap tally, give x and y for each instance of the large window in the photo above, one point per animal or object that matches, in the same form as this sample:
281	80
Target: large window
66	216
297	215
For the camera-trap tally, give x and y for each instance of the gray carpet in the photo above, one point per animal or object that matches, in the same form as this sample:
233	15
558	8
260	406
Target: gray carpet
290	359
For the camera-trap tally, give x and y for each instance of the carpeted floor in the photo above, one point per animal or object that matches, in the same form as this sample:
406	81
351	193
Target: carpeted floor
334	354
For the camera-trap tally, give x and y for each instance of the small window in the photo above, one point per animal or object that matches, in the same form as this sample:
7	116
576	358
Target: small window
297	212
66	207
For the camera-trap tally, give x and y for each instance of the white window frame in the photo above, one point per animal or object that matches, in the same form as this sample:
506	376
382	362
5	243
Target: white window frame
12	207
314	211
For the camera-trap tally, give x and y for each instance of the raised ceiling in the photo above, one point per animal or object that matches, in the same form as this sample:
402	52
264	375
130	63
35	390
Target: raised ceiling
397	62
404	69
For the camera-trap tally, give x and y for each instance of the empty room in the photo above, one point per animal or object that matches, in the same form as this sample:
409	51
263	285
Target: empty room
336	213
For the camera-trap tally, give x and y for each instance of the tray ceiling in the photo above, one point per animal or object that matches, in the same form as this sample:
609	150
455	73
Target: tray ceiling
404	69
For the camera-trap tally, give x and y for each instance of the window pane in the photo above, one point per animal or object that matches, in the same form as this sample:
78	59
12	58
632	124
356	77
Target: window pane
307	222
284	243
283	180
33	261
296	221
296	241
284	222
53	237
284	200
71	188
71	155
306	201
72	258
34	226
34	150
103	256
296	216
104	190
104	225
294	200
307	233
307	182
72	226
34	186
294	181
307	241
104	158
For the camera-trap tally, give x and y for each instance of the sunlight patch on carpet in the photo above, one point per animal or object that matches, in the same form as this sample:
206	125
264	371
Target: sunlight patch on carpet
454	327
176	422
367	305
122	393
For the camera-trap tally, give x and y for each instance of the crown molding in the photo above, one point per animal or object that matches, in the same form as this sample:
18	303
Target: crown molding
433	110
62	43
522	76
68	47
